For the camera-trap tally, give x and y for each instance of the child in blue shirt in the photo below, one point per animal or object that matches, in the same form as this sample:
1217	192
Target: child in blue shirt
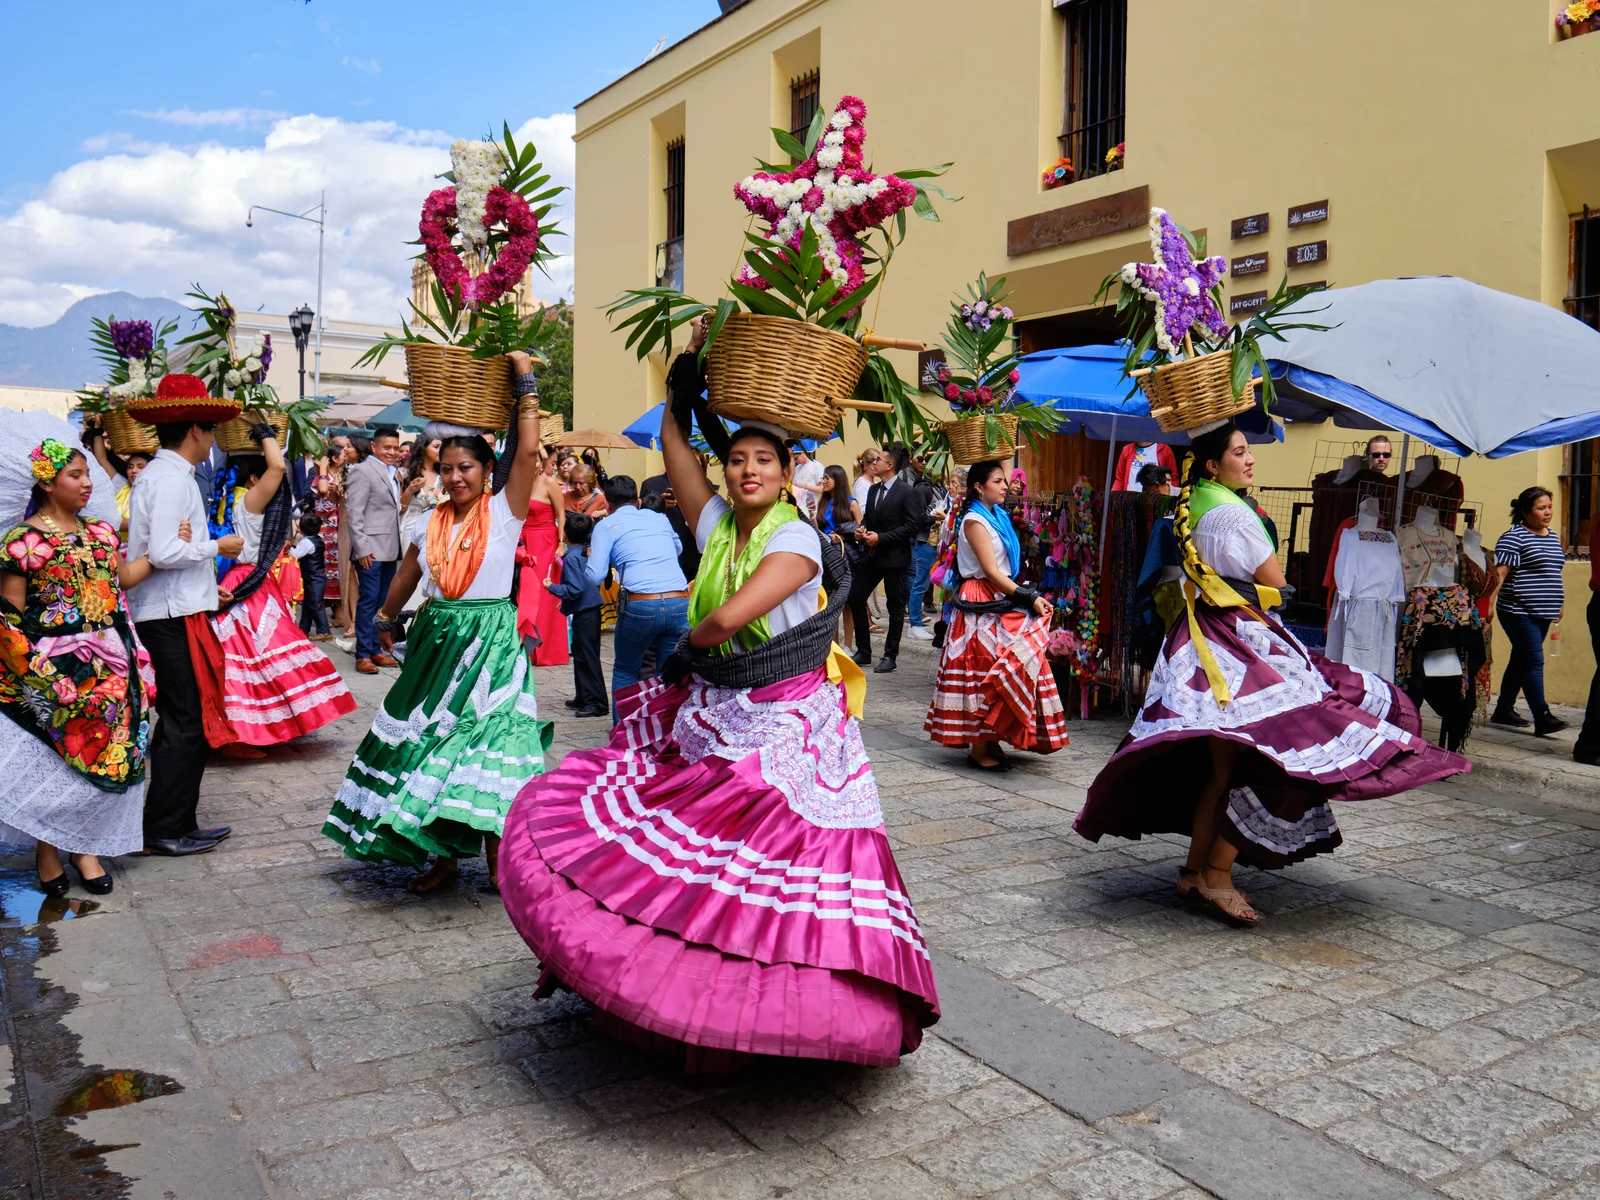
580	600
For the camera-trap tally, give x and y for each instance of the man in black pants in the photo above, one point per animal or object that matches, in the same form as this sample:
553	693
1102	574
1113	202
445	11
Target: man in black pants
182	589
889	524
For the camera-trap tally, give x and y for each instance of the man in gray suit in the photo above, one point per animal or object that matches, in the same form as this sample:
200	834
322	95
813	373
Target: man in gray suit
372	504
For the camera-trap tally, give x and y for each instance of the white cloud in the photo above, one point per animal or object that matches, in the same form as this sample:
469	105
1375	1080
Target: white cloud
235	117
368	66
152	219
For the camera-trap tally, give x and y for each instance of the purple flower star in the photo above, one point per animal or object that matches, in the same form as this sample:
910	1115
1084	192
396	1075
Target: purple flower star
1179	286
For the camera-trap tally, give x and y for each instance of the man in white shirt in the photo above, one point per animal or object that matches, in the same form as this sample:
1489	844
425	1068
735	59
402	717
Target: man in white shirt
170	609
807	480
372	504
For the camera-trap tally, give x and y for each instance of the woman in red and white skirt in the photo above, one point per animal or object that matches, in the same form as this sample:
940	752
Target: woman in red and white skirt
276	684
994	684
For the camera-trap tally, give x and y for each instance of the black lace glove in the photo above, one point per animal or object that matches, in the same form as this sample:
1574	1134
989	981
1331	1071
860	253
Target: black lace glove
1025	597
685	381
679	663
260	433
525	385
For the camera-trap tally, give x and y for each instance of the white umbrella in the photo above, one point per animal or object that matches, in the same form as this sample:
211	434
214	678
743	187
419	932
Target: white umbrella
20	432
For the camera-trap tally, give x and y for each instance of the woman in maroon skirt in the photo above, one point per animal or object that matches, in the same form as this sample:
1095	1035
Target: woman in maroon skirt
993	684
1245	738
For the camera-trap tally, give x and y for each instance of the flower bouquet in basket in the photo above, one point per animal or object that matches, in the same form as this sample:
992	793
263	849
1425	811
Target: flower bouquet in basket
236	366
135	356
978	377
786	346
479	236
1192	365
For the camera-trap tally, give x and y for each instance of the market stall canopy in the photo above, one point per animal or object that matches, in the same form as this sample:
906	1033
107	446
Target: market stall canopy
358	408
646	432
1086	385
1461	366
600	439
399	415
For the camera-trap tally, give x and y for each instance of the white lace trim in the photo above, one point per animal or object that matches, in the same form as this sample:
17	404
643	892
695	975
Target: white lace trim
42	797
502	784
810	749
866	902
1282	837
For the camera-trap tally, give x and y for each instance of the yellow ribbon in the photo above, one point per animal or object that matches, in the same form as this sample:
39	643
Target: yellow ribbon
844	671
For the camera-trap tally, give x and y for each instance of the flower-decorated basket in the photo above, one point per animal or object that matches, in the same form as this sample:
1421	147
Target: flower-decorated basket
233	437
789	373
969	439
448	384
1189	393
128	436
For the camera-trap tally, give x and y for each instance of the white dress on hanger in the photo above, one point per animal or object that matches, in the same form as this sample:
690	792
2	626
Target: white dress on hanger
1369	588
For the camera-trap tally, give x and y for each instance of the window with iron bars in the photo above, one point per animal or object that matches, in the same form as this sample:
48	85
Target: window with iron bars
805	93
1094	82
1580	482
674	189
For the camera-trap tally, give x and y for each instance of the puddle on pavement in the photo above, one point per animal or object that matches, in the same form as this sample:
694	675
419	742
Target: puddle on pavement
113	1089
22	903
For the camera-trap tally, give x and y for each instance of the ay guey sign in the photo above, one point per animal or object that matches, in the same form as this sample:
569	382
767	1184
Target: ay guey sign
1079	222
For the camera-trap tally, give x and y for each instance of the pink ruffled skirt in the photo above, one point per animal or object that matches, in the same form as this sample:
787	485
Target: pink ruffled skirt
717	880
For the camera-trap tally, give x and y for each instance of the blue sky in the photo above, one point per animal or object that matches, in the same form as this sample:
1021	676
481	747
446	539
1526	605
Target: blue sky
149	127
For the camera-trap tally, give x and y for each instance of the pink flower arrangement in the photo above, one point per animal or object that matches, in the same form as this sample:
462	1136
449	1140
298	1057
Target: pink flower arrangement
834	194
438	228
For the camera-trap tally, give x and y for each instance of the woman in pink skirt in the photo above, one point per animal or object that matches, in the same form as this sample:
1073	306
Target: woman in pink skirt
716	880
276	684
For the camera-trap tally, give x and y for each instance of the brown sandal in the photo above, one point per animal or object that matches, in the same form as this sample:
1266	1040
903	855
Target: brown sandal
1188	878
1230	902
443	871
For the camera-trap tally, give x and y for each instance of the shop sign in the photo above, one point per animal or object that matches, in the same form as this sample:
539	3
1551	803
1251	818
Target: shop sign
1246	303
1307	253
1308	214
1249	264
1244	227
1079	222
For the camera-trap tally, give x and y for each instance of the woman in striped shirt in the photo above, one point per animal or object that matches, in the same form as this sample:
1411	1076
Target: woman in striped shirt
1528	563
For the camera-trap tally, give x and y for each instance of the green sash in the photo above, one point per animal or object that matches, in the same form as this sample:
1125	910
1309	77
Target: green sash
722	572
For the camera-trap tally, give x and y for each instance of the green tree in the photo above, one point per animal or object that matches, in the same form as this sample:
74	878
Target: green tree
555	377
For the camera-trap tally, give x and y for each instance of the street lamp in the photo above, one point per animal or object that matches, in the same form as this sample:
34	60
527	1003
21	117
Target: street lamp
321	222
300	326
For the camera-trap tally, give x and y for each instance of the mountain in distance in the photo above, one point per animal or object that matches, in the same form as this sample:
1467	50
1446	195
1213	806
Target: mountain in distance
59	355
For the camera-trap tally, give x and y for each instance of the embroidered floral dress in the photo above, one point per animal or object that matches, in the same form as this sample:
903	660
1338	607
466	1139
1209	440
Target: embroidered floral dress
72	758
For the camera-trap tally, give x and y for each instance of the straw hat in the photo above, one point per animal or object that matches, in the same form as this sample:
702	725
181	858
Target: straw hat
182	398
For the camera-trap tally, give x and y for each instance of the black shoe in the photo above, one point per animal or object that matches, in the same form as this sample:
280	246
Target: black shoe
999	765
862	660
100	886
592	712
179	846
52	887
572	703
220	833
1547	723
885	665
1589	758
1510	718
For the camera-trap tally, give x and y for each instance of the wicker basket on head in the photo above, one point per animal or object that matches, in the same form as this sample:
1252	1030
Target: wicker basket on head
233	437
448	384
1186	395
783	371
128	436
551	427
969	443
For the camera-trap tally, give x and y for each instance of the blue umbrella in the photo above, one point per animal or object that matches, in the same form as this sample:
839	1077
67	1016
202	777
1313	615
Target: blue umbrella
646	431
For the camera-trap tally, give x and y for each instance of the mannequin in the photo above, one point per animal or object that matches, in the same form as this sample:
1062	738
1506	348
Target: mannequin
1427	464
1428	551
1347	469
1472	547
1369	586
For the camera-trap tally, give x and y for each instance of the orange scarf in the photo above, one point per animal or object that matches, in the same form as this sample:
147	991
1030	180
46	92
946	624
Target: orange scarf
453	562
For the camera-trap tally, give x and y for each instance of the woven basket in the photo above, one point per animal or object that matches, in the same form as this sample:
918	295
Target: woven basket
448	384
969	444
551	427
1185	395
128	436
233	437
784	371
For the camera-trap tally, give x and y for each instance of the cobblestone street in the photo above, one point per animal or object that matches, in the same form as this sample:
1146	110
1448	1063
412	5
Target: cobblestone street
1417	1014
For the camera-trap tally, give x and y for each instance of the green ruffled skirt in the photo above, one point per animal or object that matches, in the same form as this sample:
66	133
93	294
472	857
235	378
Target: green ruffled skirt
457	736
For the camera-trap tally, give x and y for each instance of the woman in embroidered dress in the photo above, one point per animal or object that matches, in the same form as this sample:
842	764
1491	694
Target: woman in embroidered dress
459	732
994	684
76	718
1245	738
276	684
716	880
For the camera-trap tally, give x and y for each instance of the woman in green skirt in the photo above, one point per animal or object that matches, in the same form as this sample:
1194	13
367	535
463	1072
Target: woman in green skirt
459	732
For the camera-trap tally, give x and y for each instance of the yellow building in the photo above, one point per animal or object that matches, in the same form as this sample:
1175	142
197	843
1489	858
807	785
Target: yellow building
1461	141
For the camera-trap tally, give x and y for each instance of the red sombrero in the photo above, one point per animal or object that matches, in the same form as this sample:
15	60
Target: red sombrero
182	398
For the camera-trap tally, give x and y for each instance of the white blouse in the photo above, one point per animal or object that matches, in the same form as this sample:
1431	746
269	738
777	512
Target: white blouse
493	580
1231	541
248	525
967	564
795	537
